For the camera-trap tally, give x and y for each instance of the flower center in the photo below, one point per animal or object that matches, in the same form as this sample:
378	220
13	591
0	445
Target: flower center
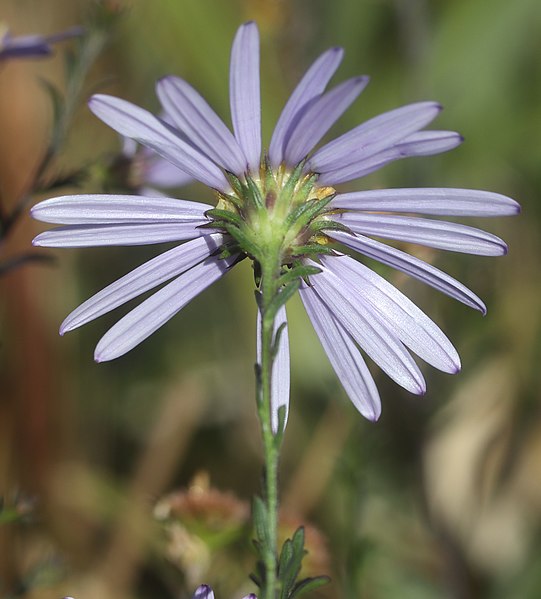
282	212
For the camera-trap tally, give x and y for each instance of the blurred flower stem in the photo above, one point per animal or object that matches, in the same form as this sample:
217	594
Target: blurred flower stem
268	524
77	67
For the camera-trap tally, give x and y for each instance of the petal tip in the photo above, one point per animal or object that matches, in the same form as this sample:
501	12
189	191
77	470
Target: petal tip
373	416
420	388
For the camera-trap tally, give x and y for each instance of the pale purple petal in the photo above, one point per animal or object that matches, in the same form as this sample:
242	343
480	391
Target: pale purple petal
192	115
319	116
155	311
203	592
129	147
343	355
311	85
412	266
244	93
368	328
423	143
33	45
160	172
160	269
120	234
373	136
436	201
412	326
117	209
139	124
151	192
280	371
432	233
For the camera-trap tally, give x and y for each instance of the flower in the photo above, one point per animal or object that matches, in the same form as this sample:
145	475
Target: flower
205	592
25	46
284	201
146	171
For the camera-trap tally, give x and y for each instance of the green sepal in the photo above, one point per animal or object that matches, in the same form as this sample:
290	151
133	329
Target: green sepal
224	216
303	193
287	292
270	179
298	272
244	241
289	188
305	213
254	193
236	201
330	225
308	584
312	249
238	186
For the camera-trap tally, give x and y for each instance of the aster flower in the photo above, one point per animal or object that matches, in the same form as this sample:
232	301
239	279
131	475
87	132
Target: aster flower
205	592
284	203
147	172
32	46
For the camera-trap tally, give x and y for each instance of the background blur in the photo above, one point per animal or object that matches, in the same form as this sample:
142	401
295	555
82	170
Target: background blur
440	498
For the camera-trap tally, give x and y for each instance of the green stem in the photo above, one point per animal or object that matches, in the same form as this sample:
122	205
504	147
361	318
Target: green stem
270	272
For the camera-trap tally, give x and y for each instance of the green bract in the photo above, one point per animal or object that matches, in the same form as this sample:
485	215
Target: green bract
281	214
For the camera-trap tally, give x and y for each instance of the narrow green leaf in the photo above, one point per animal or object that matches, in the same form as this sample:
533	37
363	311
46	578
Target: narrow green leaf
260	517
281	298
284	565
57	103
281	427
277	337
308	584
292	567
298	272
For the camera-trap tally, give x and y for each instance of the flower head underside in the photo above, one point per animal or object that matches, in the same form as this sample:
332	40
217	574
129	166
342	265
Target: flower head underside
283	208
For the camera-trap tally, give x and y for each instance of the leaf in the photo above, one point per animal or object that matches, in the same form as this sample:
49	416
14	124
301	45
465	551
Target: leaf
57	103
308	584
276	342
260	518
298	272
287	292
291	558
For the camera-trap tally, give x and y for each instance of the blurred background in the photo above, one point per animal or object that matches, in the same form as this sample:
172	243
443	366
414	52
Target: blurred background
133	479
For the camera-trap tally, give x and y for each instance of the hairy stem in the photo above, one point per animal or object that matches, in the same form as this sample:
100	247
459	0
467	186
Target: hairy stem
270	271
